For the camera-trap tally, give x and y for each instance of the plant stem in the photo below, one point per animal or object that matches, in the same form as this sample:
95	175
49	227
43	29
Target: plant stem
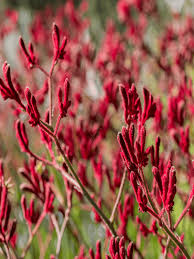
55	224
42	216
58	168
85	192
162	223
49	75
57	125
60	236
42	70
118	197
168	241
50	93
176	241
7	251
188	205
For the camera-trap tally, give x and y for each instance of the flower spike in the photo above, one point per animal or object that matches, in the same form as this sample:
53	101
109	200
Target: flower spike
31	108
64	104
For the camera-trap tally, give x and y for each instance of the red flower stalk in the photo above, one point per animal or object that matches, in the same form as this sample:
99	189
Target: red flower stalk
169	186
125	154
141	199
149	106
3	201
157	147
1	172
22	136
7	227
91	253
49	198
130	251
98	250
64	104
36	183
171	190
40	186
131	103
30	214
141	154
117	249
165	181
7	89
129	145
30	57
81	253
124	151
56	40
158	179
59	51
133	153
31	108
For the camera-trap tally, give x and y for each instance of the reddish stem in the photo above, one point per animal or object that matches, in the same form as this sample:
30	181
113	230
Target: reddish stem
186	209
57	125
42	216
118	197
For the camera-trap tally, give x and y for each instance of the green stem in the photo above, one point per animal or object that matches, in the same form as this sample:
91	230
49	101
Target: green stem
167	230
85	192
176	241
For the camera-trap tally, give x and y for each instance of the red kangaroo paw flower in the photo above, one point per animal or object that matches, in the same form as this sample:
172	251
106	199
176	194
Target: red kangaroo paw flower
149	106
49	198
130	251
56	40
31	108
59	51
7	226
64	104
62	48
30	214
30	57
7	89
171	189
98	250
22	136
131	104
158	178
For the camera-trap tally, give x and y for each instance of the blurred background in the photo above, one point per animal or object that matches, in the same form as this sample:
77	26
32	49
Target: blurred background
99	12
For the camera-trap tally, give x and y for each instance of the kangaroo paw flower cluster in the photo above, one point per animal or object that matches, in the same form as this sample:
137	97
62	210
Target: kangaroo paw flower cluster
96	132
